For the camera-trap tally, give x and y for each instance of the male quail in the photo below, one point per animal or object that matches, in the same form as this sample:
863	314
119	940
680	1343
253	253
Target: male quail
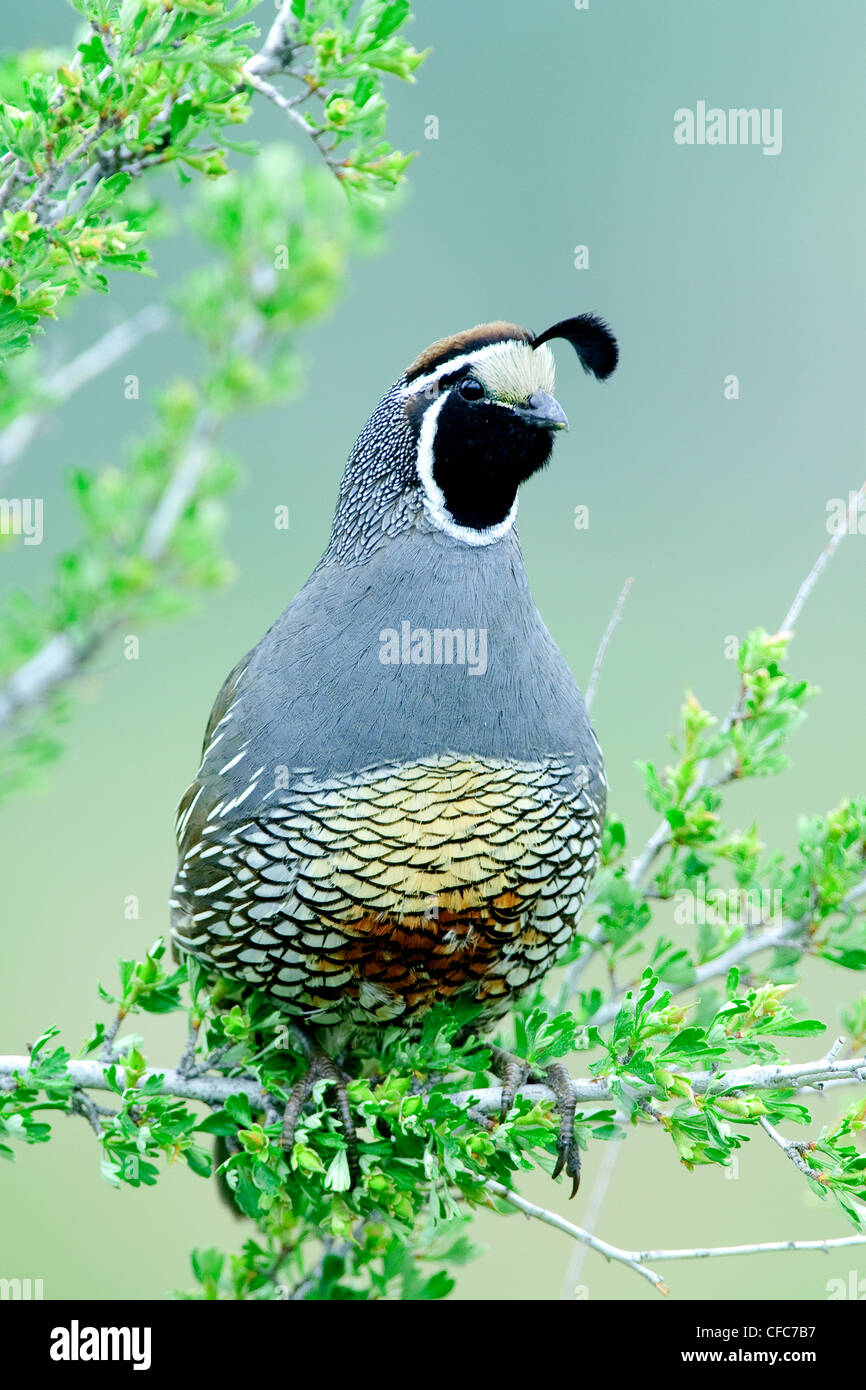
400	797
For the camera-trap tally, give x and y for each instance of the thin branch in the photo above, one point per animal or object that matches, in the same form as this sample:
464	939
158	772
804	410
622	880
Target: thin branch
789	1148
789	621
81	1104
91	1076
180	488
796	1150
639	1260
55	172
656	842
592	1212
80	370
551	1218
274	57
662	833
65	186
62	658
277	47
749	945
9	184
745	948
603	644
108	1052
790	1076
213	1089
839	1043
55	662
286	104
761	1248
186	1066
593	939
208	1063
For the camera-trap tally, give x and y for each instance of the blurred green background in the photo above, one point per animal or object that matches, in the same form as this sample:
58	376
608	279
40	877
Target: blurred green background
555	129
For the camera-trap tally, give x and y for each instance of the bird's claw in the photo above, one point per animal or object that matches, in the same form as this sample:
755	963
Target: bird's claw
567	1148
514	1073
321	1068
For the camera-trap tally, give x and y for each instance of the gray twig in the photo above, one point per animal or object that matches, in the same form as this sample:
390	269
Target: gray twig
62	658
749	945
662	833
789	1147
602	1247
80	370
604	643
639	1260
213	1090
789	621
274	57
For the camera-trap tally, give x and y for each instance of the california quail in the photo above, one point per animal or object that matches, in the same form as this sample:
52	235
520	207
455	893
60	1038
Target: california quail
400	797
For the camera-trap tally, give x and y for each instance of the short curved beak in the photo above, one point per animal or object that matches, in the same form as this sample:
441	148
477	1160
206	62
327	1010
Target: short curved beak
543	410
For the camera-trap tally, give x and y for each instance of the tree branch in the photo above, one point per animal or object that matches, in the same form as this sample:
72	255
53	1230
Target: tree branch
662	833
277	47
789	621
181	487
65	185
760	1248
794	1076
275	57
772	939
62	658
796	1151
91	1076
789	1148
213	1089
551	1218
604	643
592	1212
638	1260
66	380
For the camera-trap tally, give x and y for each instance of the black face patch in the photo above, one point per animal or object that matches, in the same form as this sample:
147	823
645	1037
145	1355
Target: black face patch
481	454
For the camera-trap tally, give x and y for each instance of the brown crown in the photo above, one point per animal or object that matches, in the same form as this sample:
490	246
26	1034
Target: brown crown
472	338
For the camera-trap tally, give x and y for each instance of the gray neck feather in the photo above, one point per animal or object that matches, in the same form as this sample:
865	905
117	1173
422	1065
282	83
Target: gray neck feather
379	493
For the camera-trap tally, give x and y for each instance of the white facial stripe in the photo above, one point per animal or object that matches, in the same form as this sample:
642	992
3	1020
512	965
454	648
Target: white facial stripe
421	383
434	498
509	368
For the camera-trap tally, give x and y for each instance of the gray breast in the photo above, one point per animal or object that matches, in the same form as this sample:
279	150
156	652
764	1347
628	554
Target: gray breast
429	647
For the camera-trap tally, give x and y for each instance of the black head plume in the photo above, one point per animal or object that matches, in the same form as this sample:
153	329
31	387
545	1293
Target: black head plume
591	339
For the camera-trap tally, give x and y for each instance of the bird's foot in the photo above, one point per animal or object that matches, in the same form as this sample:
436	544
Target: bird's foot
321	1067
514	1073
567	1148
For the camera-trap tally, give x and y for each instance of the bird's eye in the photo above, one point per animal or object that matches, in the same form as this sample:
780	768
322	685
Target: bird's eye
470	389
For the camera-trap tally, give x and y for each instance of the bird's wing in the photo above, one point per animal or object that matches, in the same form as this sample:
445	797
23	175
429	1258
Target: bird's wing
188	826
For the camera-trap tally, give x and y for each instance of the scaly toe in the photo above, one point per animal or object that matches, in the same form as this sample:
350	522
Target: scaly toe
513	1072
321	1068
567	1149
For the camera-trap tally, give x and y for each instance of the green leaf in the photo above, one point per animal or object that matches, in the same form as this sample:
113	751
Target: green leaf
393	15
93	51
795	1028
338	1178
